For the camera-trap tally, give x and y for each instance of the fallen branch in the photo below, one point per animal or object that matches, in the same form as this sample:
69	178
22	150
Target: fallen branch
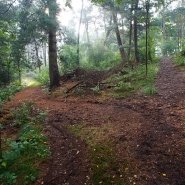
108	85
74	86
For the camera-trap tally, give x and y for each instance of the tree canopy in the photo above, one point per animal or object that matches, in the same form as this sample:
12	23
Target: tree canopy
131	31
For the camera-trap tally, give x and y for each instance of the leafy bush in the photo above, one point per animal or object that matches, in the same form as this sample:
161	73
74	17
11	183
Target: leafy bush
43	76
134	81
169	47
68	57
101	57
6	93
19	163
180	60
98	56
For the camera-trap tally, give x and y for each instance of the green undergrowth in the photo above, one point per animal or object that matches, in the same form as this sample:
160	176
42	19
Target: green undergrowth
180	60
43	76
6	93
134	81
106	167
22	155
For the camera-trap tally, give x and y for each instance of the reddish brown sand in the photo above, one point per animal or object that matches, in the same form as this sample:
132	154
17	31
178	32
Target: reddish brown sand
147	131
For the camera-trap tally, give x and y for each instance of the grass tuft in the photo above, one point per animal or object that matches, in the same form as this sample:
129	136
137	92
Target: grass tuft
134	81
106	168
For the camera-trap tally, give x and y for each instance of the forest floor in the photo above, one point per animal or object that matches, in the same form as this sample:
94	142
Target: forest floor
147	133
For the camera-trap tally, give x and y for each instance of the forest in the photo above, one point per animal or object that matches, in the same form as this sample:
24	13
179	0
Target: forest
92	92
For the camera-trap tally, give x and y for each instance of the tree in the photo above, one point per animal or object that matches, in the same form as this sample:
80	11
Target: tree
34	24
7	35
112	7
119	41
135	31
78	37
53	66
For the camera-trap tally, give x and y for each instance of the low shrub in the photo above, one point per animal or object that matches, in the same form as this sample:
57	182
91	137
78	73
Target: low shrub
21	157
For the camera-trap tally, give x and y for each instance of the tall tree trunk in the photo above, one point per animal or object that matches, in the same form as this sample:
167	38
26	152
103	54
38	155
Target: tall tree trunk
78	39
182	23
86	23
53	66
37	55
87	32
130	32
121	49
122	29
178	28
136	51
19	70
96	29
44	53
164	25
108	30
147	17
8	66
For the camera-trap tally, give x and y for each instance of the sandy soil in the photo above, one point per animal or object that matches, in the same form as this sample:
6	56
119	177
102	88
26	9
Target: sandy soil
147	131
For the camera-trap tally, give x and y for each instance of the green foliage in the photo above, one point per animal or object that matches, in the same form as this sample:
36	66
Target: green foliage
169	47
19	164
135	81
68	57
6	93
69	36
43	76
102	1
96	89
105	166
21	114
24	114
5	49
180	60
100	57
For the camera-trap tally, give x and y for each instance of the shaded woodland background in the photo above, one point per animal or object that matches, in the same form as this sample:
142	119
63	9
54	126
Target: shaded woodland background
101	35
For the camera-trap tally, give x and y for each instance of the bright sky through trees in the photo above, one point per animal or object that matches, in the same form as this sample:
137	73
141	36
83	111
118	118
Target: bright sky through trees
67	14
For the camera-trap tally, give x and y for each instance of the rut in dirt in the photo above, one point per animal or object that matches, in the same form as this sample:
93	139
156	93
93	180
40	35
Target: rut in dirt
160	150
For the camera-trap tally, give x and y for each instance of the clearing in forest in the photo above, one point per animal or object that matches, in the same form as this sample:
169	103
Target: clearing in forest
135	140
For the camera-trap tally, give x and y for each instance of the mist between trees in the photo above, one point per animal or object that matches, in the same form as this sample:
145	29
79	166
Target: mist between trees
100	35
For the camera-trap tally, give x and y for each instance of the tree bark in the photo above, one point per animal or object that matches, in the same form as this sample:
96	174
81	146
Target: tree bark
135	33
164	26
147	17
108	31
130	32
87	32
53	66
78	39
121	49
37	55
178	34
44	53
164	23
19	70
182	24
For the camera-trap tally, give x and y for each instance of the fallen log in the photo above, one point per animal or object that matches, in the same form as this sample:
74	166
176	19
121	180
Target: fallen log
74	86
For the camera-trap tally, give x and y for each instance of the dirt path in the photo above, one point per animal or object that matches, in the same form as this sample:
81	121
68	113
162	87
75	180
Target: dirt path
147	132
160	148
